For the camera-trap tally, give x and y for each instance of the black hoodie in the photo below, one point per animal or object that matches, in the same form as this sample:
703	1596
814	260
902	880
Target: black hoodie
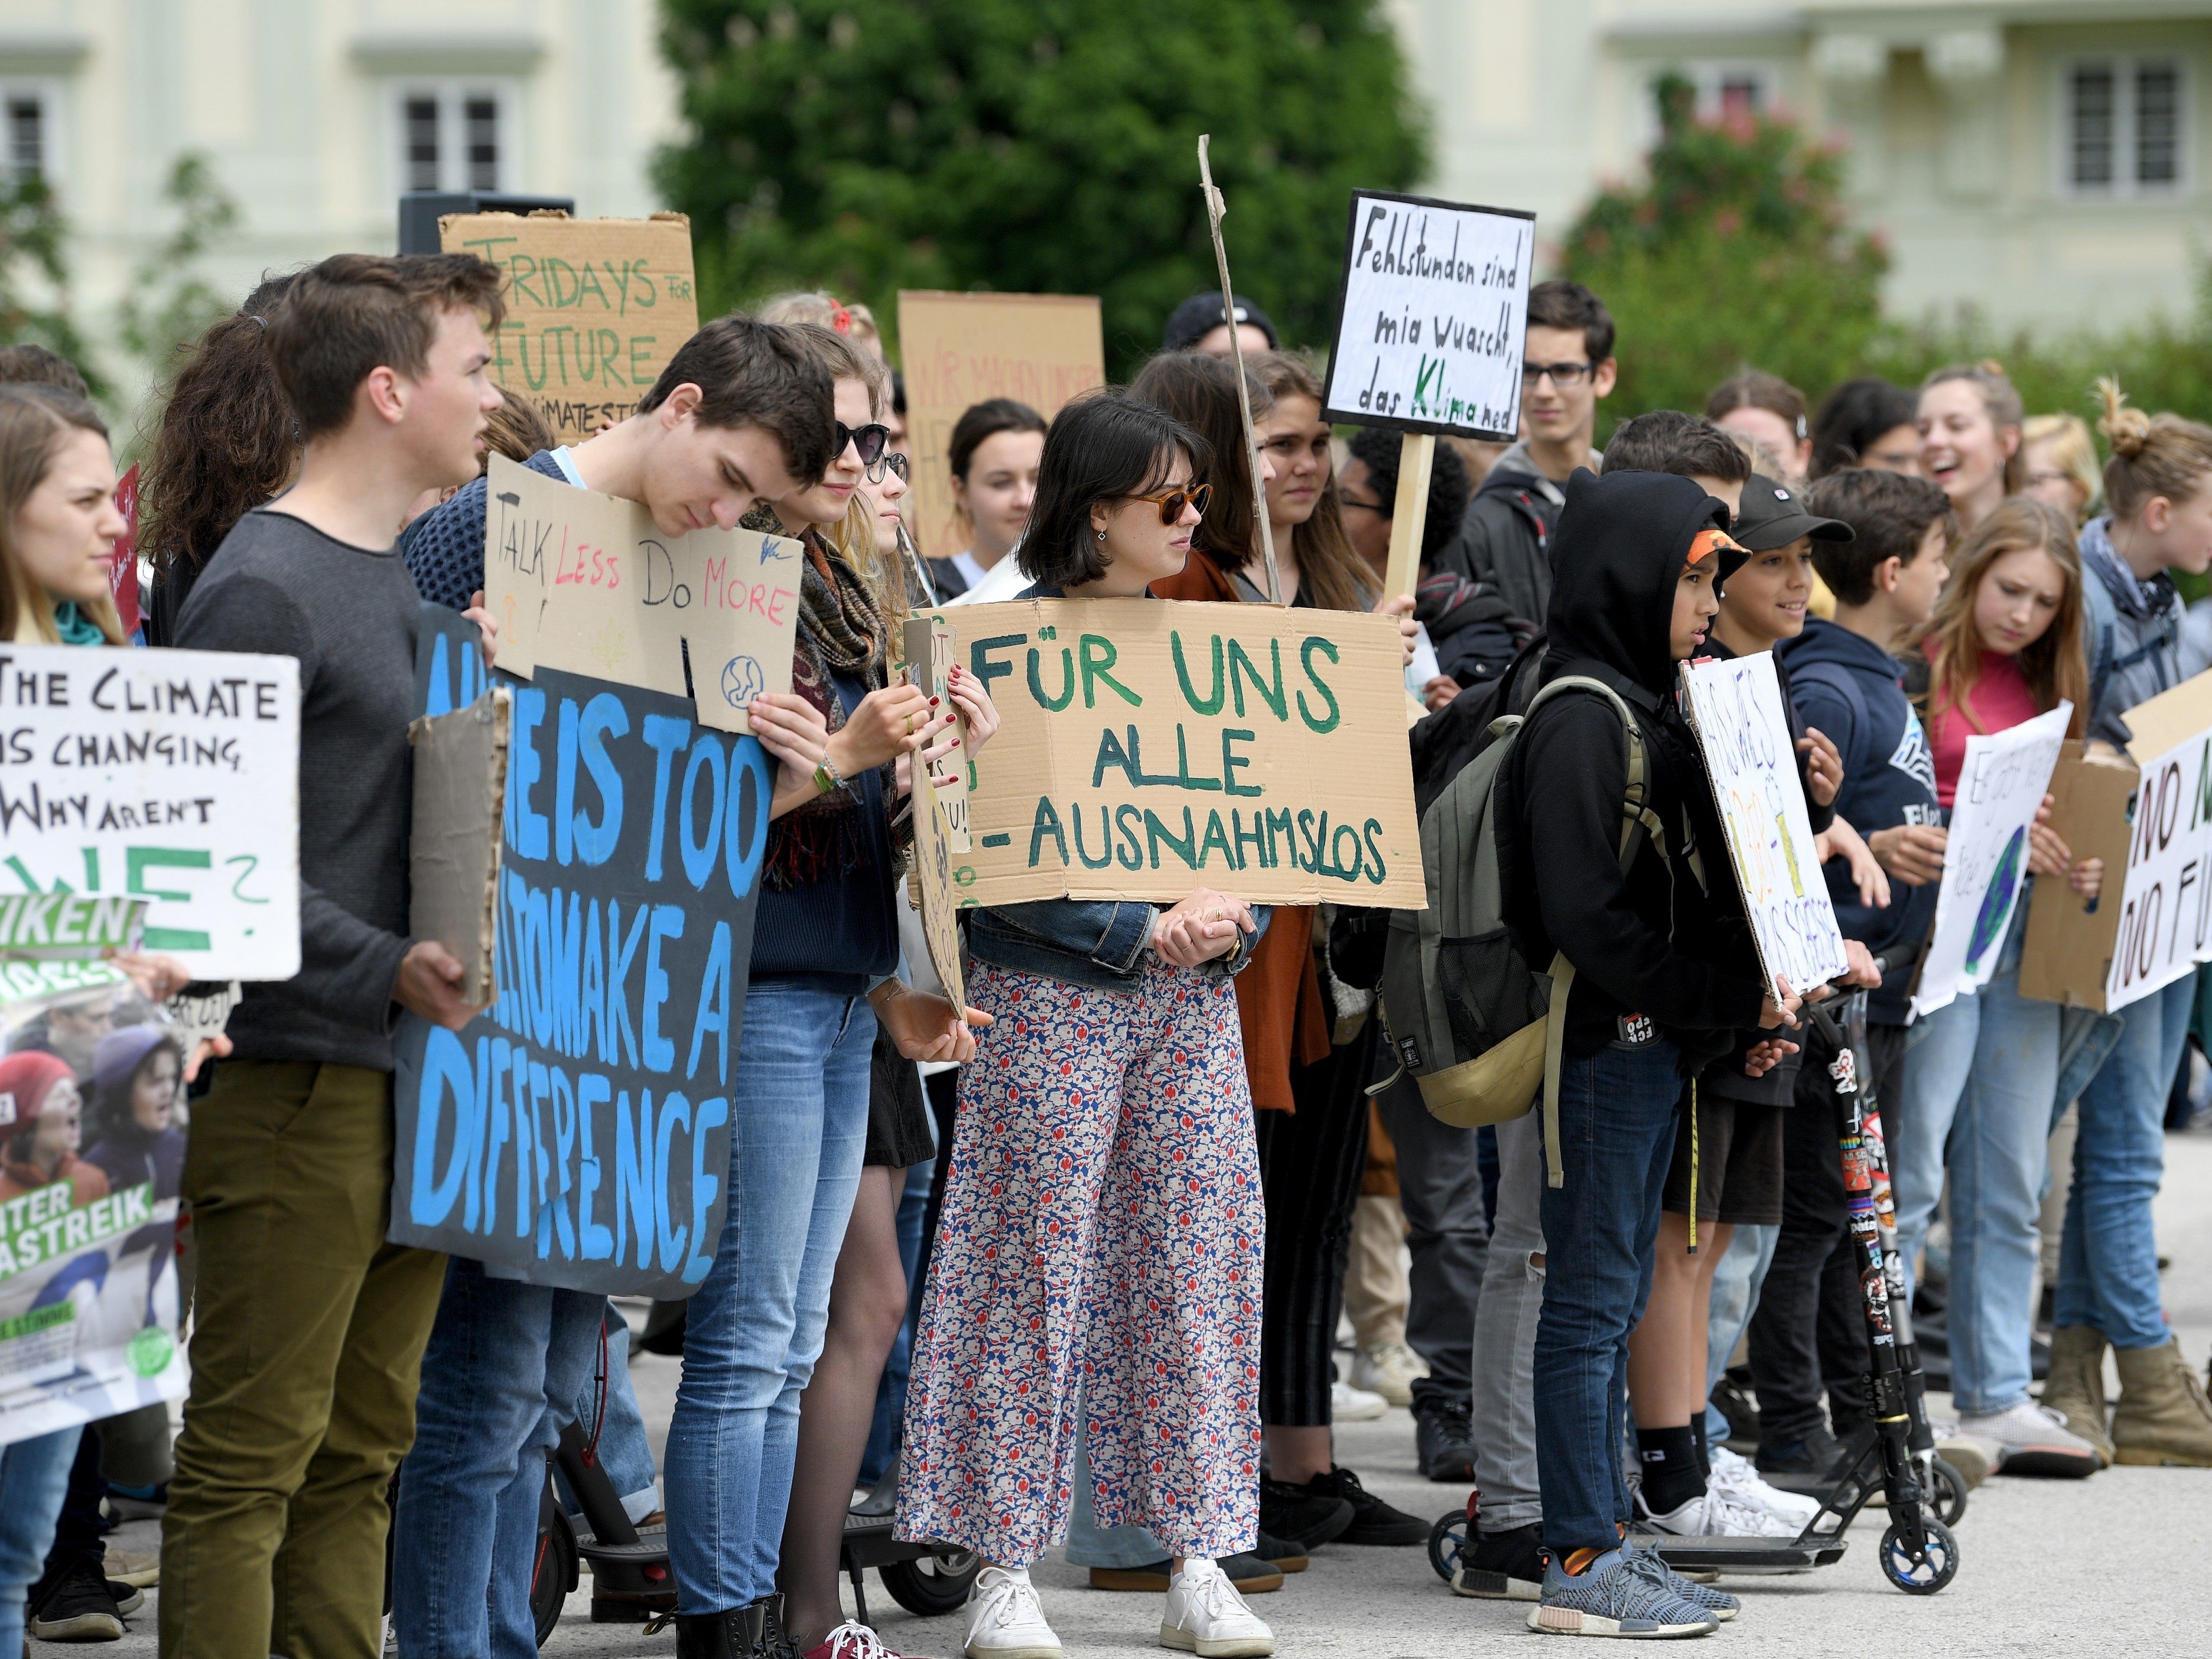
1649	951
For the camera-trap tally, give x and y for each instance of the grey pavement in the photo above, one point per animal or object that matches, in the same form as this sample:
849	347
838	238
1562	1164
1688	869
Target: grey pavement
2114	1564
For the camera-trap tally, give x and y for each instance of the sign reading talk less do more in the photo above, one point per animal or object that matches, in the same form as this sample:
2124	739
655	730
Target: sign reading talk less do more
1433	317
961	349
1150	747
595	308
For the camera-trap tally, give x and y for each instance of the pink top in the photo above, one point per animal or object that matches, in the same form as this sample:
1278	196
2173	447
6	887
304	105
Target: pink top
2001	699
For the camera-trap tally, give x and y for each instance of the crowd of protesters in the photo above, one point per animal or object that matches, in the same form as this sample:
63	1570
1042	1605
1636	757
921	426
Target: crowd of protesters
951	1267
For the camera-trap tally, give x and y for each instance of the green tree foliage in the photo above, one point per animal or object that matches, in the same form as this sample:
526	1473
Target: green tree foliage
1727	253
34	277
169	302
1034	145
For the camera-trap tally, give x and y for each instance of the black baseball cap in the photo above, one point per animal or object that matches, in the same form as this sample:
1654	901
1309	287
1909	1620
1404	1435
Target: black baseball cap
1772	516
1201	314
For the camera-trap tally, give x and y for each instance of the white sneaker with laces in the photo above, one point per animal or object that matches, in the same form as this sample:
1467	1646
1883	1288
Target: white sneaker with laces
1005	1621
1390	1370
2033	1440
1349	1405
1718	1513
1737	1477
1207	1616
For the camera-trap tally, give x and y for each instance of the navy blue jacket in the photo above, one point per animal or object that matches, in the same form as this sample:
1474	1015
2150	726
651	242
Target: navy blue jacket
1852	689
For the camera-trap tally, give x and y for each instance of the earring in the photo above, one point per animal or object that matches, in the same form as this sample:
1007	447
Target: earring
1102	535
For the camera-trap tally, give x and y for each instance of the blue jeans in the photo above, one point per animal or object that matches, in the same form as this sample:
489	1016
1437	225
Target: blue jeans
623	1451
890	1396
500	1379
1735	1297
799	1121
1600	1236
2108	1255
33	1479
1980	1075
1089	1544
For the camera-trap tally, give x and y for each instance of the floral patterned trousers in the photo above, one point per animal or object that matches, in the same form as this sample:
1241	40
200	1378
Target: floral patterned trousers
1101	1238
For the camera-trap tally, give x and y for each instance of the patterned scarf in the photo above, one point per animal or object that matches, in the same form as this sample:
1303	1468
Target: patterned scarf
841	631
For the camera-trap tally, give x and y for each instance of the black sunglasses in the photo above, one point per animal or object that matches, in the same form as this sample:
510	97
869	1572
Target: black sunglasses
869	440
891	460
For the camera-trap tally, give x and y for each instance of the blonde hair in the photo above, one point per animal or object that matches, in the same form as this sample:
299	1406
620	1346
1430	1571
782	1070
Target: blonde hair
2152	454
2073	451
35	421
2002	399
825	310
2053	665
1331	574
1763	461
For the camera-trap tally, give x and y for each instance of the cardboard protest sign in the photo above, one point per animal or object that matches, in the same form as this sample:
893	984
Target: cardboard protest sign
1149	747
935	896
2002	783
169	775
88	1300
2144	815
1736	709
587	583
930	645
959	350
577	1134
460	792
595	308
1433	317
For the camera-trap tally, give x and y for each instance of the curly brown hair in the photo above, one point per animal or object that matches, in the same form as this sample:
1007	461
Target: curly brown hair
226	441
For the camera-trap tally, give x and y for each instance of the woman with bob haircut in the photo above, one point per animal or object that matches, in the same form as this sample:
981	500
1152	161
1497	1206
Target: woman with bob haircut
1101	1227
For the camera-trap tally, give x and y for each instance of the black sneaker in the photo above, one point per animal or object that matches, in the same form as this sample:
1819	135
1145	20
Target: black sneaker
1306	1515
1286	1556
1373	1521
1799	1465
78	1608
1443	1440
1503	1566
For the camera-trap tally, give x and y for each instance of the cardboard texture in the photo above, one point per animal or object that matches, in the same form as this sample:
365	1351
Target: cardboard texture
170	775
930	645
2068	954
1432	316
935	895
587	583
1149	747
460	788
1736	709
959	350
595	308
2002	782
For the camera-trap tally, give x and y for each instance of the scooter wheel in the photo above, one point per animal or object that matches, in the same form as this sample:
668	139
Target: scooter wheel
1452	1535
932	1585
1947	1493
1925	1572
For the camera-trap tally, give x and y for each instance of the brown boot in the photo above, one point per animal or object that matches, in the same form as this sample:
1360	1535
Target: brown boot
2075	1387
2163	1415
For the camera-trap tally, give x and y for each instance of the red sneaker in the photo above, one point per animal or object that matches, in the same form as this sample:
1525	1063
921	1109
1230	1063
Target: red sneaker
852	1640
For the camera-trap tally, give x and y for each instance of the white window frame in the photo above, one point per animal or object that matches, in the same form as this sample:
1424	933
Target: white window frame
1707	76
452	93
2124	186
48	92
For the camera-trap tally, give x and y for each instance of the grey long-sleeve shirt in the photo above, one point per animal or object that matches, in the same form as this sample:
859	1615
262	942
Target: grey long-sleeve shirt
277	585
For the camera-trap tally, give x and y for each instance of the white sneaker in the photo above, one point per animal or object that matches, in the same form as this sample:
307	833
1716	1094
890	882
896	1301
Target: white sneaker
1718	1513
1740	1479
1005	1618
1389	1369
1349	1405
1207	1616
2033	1440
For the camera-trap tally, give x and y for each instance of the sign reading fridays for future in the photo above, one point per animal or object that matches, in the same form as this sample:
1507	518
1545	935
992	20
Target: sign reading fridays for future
1150	747
595	308
2002	782
1736	709
1433	317
576	1133
172	776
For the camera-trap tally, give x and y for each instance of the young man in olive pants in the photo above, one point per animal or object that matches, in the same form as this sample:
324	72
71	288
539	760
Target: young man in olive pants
308	1327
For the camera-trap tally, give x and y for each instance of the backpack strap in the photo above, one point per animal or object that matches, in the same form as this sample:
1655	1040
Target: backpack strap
1637	820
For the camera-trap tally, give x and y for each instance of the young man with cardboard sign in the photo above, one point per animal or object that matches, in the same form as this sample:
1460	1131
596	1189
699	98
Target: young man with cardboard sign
309	1325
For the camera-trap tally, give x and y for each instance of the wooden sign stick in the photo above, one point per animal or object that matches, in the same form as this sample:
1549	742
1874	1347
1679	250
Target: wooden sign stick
1215	210
1416	454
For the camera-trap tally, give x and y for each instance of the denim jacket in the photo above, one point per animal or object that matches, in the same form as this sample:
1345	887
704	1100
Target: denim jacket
2134	634
1098	944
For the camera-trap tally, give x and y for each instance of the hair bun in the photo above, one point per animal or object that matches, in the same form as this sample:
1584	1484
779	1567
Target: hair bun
2128	430
1991	366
